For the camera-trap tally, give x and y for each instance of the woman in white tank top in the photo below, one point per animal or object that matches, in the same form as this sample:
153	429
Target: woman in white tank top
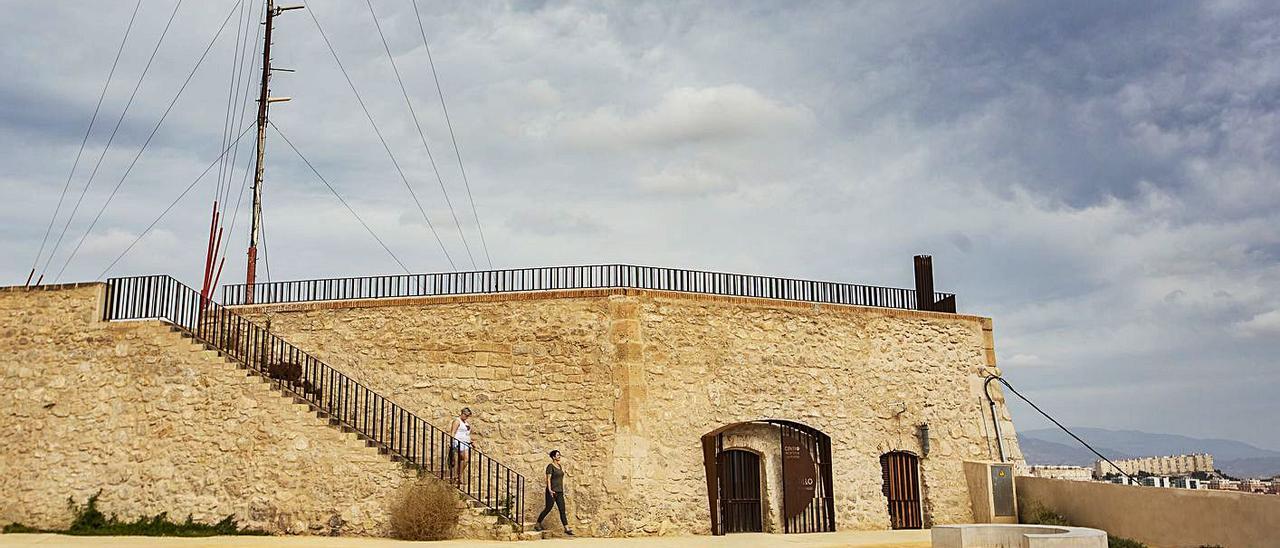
460	447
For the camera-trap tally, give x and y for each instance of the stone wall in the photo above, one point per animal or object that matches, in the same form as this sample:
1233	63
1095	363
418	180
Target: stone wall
626	382
160	425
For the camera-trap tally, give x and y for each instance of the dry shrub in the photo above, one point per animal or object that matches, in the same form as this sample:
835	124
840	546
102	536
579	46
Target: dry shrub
425	510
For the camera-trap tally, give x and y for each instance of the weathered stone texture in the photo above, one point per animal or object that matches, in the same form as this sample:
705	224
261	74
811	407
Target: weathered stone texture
160	425
626	382
537	374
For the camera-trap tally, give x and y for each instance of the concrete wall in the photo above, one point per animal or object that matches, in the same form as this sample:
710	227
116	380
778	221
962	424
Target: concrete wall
159	425
1160	517
626	382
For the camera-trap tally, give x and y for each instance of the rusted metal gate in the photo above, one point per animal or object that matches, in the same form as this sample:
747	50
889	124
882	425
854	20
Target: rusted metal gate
740	492
807	503
901	472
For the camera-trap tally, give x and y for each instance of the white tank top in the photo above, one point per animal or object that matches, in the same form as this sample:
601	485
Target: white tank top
464	431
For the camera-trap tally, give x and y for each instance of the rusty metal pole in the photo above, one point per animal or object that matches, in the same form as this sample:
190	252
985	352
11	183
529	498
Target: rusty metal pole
256	213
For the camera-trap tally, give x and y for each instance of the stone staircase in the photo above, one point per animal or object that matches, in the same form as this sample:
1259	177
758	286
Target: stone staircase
346	404
477	520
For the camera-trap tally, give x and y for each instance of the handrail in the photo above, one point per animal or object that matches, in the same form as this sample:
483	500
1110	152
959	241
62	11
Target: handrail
575	277
355	406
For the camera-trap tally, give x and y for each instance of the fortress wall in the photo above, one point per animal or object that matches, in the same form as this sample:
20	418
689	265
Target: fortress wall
842	370
626	382
537	372
159	425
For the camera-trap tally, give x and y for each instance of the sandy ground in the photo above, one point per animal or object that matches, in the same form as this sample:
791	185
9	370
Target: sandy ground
860	539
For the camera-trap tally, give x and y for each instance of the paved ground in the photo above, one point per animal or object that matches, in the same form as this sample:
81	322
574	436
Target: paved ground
859	539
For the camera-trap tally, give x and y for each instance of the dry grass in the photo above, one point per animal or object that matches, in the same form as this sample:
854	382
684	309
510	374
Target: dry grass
425	510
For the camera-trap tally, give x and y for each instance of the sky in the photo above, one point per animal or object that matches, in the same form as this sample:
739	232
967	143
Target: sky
1098	177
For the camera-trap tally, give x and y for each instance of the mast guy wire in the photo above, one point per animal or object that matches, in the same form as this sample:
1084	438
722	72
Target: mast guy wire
448	122
339	197
422	136
216	161
143	149
111	139
85	140
385	146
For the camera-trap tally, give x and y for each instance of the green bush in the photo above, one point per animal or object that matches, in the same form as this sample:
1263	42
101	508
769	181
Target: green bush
1121	542
89	521
1036	514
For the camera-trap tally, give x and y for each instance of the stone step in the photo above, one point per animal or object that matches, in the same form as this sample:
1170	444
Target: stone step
501	528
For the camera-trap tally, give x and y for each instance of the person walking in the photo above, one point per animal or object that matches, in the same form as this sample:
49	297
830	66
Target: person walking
555	493
460	447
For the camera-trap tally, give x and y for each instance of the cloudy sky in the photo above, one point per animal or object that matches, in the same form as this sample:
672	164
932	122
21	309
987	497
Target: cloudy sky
1098	177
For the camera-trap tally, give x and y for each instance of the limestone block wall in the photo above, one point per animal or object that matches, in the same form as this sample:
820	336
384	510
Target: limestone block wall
626	382
537	373
866	377
159	425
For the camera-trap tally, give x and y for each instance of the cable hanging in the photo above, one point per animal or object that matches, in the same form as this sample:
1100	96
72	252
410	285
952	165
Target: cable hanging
145	143
421	136
382	139
84	140
457	152
996	421
175	201
141	77
250	85
339	197
229	123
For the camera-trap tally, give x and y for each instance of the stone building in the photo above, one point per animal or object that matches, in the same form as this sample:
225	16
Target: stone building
683	402
1165	466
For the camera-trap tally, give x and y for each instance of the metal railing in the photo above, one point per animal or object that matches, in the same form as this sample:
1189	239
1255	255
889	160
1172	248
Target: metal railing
351	404
574	277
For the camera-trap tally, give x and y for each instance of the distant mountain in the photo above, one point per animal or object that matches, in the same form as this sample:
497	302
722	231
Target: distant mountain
1236	458
1038	451
1146	444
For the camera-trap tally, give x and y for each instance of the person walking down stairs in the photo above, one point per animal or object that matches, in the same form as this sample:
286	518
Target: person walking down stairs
460	448
555	493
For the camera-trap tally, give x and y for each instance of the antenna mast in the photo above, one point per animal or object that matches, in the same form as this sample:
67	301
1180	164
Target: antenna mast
264	100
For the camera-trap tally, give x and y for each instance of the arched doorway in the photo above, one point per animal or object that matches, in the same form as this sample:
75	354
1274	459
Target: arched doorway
793	463
901	471
740	509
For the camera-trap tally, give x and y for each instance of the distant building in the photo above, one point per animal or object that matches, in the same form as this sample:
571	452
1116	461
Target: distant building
1187	483
1224	484
1155	481
1073	473
1160	466
1124	480
1253	486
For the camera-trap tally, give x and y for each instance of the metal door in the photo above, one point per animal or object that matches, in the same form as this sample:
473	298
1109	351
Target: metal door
807	503
740	492
901	472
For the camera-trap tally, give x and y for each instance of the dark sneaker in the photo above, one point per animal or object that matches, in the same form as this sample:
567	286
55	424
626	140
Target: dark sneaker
538	528
568	531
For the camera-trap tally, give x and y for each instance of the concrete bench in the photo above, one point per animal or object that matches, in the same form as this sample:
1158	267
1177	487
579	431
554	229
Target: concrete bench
994	535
